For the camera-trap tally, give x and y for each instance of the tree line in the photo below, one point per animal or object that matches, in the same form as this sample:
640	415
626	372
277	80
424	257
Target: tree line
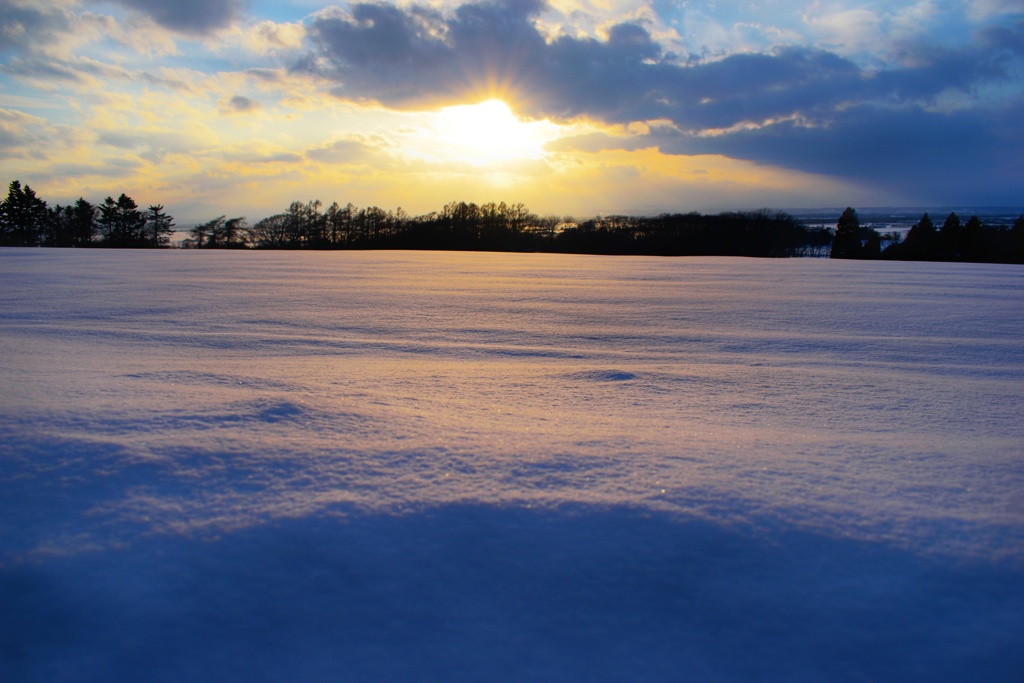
972	241
26	220
513	227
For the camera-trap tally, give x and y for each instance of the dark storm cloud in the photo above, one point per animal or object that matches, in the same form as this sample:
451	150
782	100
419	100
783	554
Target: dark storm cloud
797	107
940	156
189	16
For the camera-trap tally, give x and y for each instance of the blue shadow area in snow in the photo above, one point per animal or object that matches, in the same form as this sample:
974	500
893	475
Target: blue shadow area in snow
481	593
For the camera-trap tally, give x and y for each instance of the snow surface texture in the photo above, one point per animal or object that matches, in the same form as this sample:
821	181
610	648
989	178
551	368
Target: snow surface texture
497	467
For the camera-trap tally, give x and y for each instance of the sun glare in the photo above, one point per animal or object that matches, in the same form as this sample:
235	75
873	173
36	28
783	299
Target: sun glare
487	133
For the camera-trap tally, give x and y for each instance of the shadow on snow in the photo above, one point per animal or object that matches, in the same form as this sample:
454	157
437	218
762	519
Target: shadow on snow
484	593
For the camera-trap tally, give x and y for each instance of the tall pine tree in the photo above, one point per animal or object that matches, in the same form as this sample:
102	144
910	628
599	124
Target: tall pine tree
159	227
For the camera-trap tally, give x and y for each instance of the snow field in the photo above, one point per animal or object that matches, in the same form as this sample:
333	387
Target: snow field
446	466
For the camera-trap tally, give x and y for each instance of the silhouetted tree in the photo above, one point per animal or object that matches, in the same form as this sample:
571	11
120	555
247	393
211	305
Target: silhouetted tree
200	232
58	231
83	223
950	240
26	220
270	233
121	223
1017	241
372	223
23	217
70	226
221	233
302	225
846	243
314	226
872	245
336	220
974	243
818	241
159	226
545	228
236	233
922	242
460	221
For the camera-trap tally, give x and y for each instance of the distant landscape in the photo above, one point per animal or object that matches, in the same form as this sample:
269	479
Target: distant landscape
27	220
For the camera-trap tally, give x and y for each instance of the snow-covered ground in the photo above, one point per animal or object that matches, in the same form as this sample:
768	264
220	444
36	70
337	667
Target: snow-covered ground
278	466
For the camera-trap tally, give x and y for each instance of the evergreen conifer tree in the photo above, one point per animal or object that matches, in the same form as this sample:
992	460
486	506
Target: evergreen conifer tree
159	226
121	223
23	217
951	237
922	241
83	223
846	243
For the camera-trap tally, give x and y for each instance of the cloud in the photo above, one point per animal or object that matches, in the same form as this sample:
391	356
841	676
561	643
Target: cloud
346	151
17	132
980	10
939	157
29	29
775	92
189	16
120	139
22	26
61	31
239	104
108	168
404	57
848	28
266	157
595	142
153	144
1009	38
781	107
267	75
268	37
46	72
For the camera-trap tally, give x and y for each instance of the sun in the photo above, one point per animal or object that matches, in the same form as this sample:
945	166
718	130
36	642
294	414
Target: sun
487	133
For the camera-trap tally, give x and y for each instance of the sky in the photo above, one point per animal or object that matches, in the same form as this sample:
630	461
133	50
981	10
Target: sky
572	107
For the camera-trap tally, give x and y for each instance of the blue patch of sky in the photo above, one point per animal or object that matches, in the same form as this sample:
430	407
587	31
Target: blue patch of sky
282	12
18	96
211	63
711	26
